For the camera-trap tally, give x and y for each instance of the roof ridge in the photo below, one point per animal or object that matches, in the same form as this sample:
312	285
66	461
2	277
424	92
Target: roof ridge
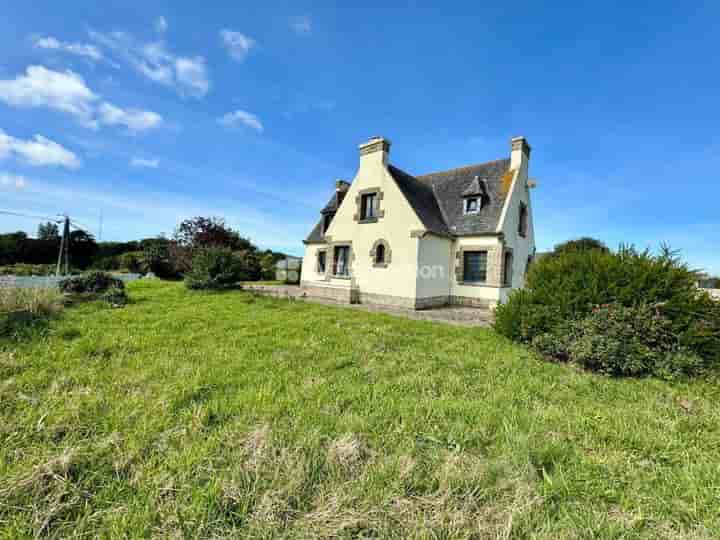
463	167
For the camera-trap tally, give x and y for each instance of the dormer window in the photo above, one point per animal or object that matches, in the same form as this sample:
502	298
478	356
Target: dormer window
472	205
327	219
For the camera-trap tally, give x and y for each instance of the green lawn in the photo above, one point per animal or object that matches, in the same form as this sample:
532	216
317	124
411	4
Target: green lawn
227	415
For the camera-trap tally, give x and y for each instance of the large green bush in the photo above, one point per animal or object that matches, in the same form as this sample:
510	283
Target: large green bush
214	268
563	292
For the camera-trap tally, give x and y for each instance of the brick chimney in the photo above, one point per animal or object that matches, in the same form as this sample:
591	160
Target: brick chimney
375	151
519	153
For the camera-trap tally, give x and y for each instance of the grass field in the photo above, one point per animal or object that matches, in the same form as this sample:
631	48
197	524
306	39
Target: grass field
190	415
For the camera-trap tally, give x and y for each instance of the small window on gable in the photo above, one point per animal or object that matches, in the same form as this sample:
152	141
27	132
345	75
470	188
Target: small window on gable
523	220
380	254
508	269
368	206
472	205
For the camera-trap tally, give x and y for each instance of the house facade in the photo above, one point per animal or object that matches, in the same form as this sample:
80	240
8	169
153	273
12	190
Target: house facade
463	236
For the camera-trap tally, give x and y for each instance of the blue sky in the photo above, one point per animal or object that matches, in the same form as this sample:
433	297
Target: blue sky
150	111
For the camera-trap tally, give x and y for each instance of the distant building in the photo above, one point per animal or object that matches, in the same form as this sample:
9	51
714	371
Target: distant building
288	269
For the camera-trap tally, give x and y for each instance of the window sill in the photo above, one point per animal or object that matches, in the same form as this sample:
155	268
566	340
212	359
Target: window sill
473	283
340	277
369	220
380	265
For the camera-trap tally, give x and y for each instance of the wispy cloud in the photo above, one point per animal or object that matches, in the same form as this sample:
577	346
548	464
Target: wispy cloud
8	180
145	163
236	44
240	117
80	49
67	92
188	75
301	25
39	151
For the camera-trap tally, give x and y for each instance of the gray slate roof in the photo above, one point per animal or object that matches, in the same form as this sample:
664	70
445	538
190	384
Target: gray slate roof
437	198
448	187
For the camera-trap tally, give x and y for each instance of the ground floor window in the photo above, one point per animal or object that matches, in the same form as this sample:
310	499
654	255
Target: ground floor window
340	261
321	262
475	266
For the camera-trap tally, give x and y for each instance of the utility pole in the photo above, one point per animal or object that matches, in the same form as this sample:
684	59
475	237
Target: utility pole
100	227
64	248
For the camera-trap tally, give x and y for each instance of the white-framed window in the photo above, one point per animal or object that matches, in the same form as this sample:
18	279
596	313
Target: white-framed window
341	255
475	266
368	206
472	205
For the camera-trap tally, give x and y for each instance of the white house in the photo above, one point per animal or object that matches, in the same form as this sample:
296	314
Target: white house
463	236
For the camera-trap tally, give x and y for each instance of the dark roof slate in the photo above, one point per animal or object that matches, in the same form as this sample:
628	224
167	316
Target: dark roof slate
449	187
422	199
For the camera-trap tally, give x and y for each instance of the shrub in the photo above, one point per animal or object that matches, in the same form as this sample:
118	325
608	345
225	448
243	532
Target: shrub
115	296
566	288
214	268
628	341
92	282
132	261
156	259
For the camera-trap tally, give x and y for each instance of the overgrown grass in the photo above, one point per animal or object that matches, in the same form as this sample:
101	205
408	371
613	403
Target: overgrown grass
191	414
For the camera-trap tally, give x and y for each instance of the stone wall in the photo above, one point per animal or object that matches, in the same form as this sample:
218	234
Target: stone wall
345	295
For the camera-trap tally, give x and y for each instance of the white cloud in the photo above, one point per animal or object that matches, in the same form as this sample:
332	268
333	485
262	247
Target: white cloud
79	49
161	25
241	117
188	75
237	45
42	87
39	151
148	163
13	180
301	25
191	74
133	119
67	92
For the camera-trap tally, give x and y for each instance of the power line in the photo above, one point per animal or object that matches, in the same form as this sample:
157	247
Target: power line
18	214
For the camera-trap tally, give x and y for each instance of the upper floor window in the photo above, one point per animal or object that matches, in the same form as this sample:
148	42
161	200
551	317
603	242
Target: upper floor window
523	220
368	206
475	266
472	205
340	261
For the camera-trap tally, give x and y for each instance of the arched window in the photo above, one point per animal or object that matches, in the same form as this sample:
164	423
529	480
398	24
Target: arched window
380	254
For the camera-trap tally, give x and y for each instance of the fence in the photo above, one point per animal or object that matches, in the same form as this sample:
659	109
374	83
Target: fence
47	282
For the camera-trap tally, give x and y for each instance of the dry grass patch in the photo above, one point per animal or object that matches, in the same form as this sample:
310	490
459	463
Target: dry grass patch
349	452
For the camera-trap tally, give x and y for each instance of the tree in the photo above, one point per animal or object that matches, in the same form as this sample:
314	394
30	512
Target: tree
209	232
82	248
202	233
48	231
580	244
